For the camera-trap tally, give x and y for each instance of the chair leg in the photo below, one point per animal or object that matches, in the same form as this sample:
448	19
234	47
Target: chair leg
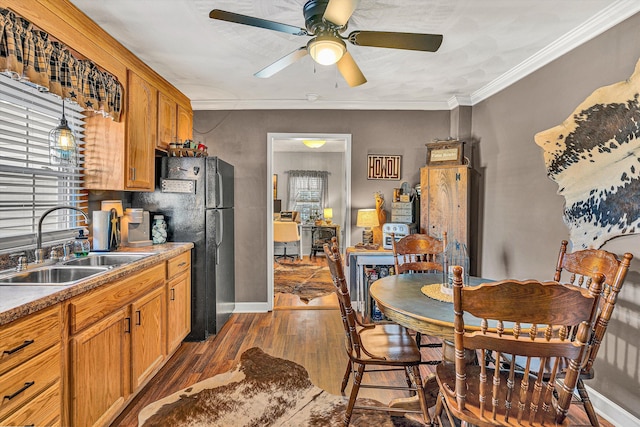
347	374
586	402
414	373
357	378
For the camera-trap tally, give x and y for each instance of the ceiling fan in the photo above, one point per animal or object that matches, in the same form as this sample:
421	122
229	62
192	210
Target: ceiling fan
325	21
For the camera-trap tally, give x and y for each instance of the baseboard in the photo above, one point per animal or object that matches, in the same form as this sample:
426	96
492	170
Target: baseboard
251	307
611	412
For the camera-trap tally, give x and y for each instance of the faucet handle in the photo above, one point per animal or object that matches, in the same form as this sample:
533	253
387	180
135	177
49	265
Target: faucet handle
54	254
22	260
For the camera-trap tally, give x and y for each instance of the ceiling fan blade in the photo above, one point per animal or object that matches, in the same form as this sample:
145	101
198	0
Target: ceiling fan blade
339	11
282	63
409	41
256	22
350	71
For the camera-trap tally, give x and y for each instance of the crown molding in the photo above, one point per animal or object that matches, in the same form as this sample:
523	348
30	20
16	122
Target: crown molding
319	104
609	17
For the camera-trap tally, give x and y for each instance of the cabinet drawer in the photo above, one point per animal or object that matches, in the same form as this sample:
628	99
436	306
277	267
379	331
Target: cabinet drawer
43	410
24	338
88	308
178	264
26	381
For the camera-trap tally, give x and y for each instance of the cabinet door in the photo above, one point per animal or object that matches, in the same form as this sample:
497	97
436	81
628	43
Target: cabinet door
178	310
99	378
141	133
167	109
445	202
147	336
185	123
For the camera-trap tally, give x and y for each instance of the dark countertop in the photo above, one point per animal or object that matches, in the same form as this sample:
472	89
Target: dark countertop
22	300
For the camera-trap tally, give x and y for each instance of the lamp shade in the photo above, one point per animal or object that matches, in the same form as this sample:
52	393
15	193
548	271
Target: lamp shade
367	218
328	213
63	150
326	49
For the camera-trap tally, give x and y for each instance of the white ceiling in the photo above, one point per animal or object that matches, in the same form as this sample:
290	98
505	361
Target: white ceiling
488	44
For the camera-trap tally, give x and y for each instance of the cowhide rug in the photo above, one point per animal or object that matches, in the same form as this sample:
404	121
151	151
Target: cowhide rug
261	391
307	281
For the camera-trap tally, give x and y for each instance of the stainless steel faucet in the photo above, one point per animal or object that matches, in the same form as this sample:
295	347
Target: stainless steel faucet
39	252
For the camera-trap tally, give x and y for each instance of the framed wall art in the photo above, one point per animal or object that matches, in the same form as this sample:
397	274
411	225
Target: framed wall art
384	167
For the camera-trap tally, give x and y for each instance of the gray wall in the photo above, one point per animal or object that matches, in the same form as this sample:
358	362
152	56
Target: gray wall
518	212
240	137
522	223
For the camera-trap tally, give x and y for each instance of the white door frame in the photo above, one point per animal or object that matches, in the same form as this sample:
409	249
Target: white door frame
273	138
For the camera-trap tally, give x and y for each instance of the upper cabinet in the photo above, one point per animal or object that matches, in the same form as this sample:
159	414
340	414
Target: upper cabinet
141	124
175	122
185	123
167	124
117	155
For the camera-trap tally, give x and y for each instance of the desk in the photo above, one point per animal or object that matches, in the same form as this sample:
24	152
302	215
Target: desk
400	299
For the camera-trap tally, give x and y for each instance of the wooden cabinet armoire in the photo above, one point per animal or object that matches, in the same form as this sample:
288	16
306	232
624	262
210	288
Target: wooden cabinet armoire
444	202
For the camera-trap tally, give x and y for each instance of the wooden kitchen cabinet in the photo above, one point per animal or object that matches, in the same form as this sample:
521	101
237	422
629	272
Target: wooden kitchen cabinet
31	369
147	336
99	363
444	202
117	344
178	300
185	123
141	135
167	121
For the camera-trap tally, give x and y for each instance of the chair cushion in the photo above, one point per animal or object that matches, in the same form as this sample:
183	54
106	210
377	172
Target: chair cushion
390	341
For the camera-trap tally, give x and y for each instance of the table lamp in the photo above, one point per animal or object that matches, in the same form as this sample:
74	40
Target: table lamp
367	218
328	215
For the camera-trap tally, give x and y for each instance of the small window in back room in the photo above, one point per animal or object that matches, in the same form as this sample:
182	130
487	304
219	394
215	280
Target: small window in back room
307	193
30	184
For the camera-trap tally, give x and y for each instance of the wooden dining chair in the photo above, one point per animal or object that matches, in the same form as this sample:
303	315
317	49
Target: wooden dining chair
579	268
374	348
539	315
419	253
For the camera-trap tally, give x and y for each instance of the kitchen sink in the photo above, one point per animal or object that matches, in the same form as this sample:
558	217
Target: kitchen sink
51	276
106	259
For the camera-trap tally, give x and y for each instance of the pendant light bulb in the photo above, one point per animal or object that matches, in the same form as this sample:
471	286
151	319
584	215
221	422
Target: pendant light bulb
63	149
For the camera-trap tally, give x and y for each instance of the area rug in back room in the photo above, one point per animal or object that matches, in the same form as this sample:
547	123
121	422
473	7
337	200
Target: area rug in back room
307	281
261	391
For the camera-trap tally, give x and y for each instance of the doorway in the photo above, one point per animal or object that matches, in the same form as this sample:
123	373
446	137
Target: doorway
287	151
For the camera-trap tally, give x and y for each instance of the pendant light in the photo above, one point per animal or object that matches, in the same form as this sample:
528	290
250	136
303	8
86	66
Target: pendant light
63	150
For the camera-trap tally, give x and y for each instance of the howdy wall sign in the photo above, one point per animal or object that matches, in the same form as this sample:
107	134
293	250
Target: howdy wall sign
594	157
383	167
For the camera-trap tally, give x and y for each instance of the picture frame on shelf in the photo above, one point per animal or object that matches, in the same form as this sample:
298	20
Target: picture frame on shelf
384	166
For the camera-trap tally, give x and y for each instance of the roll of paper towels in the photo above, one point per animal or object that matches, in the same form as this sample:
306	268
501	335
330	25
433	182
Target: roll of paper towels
101	226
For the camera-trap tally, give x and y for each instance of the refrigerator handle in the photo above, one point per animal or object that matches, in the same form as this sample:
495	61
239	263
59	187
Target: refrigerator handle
219	234
219	195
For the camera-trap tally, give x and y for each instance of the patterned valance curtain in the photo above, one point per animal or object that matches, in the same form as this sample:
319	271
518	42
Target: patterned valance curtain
30	55
301	182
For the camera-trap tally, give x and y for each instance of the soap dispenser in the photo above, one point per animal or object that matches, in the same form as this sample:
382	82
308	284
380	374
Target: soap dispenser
81	245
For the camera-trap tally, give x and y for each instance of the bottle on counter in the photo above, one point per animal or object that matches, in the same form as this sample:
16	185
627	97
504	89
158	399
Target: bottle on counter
159	230
81	245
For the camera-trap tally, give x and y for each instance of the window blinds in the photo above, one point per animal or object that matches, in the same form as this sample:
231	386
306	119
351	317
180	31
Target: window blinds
29	184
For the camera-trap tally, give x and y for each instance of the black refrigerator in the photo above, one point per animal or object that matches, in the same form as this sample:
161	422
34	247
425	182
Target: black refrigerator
195	194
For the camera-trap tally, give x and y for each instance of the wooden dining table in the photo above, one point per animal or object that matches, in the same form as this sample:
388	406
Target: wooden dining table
401	300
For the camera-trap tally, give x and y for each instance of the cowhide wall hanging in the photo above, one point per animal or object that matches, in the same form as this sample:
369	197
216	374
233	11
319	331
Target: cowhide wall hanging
594	157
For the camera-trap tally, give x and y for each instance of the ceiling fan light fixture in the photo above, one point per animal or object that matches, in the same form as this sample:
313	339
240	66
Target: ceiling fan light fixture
314	143
326	49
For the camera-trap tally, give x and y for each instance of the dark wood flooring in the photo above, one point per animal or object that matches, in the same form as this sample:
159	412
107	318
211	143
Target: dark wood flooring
311	337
